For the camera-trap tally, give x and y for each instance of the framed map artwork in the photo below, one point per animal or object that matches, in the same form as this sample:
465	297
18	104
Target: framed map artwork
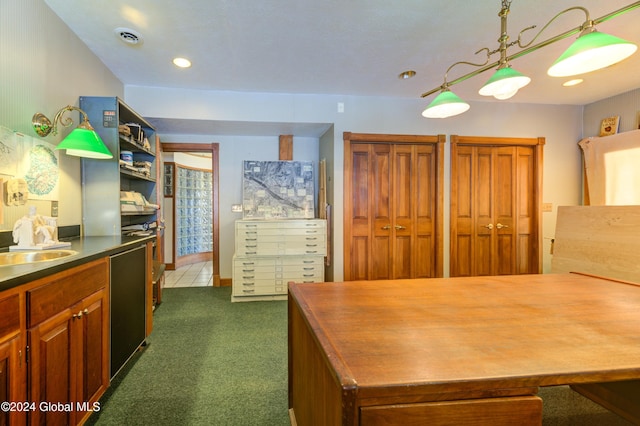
278	190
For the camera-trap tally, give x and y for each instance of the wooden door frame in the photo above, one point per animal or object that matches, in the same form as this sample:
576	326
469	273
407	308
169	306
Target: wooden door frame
213	149
373	138
537	143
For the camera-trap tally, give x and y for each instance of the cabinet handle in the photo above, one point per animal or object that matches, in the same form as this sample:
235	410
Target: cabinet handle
489	226
79	314
400	227
248	291
312	238
500	226
312	245
386	227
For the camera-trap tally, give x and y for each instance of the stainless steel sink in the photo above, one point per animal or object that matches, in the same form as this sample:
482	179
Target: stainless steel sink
21	257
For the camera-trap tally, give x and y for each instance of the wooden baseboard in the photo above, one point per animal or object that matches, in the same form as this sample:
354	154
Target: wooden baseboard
224	282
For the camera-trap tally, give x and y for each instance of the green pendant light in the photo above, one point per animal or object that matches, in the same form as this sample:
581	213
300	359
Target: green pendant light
83	141
446	104
504	83
591	51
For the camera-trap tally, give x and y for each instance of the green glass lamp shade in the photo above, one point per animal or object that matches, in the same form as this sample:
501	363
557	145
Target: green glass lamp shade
504	83
446	104
85	142
591	51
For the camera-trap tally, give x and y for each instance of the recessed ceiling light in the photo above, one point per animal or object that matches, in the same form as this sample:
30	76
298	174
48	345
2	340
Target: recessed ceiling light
406	74
572	82
182	62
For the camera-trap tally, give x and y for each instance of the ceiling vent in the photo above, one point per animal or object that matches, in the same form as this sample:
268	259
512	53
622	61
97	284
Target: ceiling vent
128	36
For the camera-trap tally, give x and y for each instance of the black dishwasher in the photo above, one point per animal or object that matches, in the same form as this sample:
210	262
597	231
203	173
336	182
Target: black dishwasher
128	302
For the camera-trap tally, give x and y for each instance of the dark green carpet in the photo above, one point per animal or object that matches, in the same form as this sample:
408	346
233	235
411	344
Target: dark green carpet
213	362
207	362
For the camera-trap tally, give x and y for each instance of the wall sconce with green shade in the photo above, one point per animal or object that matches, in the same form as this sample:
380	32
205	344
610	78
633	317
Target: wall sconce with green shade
83	141
591	51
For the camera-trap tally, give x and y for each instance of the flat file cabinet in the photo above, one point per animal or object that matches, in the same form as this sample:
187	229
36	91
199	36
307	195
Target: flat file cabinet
271	253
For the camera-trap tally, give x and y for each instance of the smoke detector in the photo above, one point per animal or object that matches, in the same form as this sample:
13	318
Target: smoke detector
128	36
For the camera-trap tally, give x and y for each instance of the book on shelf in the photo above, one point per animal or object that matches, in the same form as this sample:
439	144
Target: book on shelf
609	125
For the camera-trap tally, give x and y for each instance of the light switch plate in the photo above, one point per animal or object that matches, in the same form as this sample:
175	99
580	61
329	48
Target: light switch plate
547	207
54	209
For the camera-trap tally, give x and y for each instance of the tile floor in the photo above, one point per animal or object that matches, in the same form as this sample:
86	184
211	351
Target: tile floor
194	275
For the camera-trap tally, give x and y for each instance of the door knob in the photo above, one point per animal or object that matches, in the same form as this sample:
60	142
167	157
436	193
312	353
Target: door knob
500	226
489	226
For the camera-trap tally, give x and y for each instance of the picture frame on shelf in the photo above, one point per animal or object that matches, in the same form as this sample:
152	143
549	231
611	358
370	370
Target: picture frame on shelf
609	125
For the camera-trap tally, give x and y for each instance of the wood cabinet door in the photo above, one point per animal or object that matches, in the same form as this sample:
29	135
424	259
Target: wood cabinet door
12	376
68	361
93	351
495	200
51	375
392	202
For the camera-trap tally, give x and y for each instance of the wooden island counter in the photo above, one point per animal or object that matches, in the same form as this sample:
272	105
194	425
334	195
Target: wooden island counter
454	350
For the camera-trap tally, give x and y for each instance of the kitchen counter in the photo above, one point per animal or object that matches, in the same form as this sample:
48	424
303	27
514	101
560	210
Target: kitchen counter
88	248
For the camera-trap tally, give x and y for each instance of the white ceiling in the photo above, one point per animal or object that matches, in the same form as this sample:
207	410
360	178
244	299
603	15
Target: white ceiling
347	47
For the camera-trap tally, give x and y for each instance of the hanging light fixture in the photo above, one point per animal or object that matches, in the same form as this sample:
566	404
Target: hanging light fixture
504	84
446	104
591	51
83	141
506	81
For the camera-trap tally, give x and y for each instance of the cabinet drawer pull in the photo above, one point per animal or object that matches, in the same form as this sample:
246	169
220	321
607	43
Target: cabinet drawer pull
312	245
248	284
312	231
248	263
252	245
308	275
312	238
248	291
248	270
307	261
308	281
309	269
311	251
248	277
250	252
251	239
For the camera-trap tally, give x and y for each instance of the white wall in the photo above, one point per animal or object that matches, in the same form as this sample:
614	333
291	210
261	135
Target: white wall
44	67
560	125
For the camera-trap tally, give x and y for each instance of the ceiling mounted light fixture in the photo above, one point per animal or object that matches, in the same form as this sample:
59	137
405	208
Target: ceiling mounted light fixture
446	104
591	51
181	62
83	141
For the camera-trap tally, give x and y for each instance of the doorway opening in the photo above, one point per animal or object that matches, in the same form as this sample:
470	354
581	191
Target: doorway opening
212	151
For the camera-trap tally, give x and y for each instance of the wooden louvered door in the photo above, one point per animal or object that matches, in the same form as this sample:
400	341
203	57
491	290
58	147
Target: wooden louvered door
495	206
392	206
